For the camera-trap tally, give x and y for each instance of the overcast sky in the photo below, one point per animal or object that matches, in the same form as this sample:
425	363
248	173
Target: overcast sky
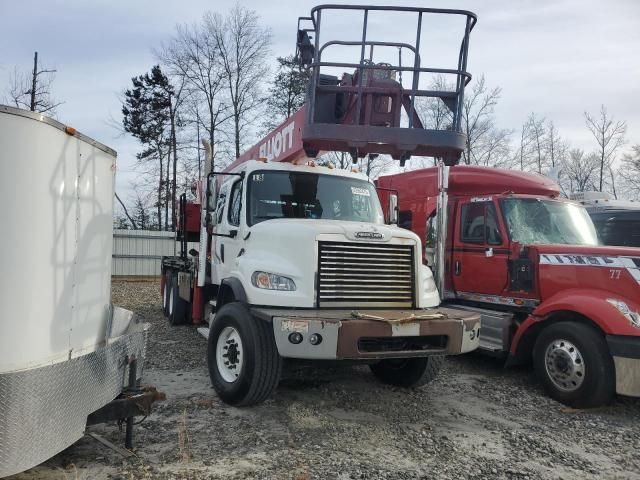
557	58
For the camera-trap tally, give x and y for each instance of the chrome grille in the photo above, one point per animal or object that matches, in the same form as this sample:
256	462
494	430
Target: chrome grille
365	275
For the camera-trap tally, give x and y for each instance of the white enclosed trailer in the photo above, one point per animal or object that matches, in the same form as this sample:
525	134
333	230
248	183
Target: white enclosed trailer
63	346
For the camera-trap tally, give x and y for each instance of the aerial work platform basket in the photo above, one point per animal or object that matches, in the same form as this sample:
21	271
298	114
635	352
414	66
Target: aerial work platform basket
369	110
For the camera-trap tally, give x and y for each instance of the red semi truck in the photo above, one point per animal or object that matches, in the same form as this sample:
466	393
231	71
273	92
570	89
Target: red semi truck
531	264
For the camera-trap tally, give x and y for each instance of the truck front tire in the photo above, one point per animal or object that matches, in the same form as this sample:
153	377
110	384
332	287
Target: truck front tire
408	372
244	364
573	363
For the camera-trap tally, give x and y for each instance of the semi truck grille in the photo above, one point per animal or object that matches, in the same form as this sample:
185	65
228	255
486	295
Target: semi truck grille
365	275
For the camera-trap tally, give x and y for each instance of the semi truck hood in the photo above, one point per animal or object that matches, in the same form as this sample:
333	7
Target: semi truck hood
615	270
287	248
353	231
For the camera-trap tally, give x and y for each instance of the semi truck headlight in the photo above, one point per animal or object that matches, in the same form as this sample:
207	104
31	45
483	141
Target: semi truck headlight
623	308
271	281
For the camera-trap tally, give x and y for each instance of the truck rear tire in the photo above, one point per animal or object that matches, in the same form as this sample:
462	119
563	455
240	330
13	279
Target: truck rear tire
408	372
244	364
573	363
177	306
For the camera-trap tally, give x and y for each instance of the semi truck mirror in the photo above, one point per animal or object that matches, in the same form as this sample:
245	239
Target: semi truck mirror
393	209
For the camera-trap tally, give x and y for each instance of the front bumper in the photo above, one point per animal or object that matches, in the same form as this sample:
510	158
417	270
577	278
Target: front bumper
373	334
625	351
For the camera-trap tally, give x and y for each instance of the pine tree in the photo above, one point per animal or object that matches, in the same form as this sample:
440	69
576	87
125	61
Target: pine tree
287	92
146	115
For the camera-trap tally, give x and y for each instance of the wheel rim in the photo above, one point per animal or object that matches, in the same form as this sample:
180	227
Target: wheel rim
565	365
229	354
171	303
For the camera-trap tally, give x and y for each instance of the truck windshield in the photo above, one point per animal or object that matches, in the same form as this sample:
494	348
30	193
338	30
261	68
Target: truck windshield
620	228
534	221
309	195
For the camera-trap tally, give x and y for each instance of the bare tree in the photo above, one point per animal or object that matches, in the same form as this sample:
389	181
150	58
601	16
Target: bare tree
192	54
33	92
126	212
433	112
243	47
523	152
538	131
630	171
556	146
371	165
580	170
485	144
609	135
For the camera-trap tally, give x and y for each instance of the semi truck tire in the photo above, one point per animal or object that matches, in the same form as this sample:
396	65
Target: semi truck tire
177	306
166	292
573	363
408	372
244	364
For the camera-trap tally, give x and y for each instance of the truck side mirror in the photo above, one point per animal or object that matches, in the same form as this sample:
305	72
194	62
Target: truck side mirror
211	194
393	209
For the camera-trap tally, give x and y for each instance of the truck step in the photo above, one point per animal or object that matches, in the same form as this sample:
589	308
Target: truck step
204	331
495	328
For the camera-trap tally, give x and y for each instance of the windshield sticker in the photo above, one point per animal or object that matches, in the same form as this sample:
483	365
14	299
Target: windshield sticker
360	191
258	177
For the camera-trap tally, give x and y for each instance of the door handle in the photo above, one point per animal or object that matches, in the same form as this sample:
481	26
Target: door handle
222	252
488	252
458	267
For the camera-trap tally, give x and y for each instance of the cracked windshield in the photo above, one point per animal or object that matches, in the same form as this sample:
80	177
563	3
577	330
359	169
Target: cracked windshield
534	221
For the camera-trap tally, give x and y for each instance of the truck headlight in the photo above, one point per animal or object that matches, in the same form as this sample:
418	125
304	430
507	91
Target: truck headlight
623	308
271	281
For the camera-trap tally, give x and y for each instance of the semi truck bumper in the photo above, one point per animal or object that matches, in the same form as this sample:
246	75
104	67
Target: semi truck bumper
372	334
625	351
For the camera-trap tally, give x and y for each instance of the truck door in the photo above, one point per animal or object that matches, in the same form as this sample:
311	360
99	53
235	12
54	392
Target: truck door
229	239
480	253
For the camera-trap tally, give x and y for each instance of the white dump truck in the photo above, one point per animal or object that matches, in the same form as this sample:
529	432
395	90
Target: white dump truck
65	351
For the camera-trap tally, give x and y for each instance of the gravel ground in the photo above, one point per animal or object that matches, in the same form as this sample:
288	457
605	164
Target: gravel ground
477	420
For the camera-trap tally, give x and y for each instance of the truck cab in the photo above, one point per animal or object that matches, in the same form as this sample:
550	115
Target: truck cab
617	221
531	263
282	232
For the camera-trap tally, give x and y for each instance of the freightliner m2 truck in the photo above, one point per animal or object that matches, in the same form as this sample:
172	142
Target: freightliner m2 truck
531	264
295	259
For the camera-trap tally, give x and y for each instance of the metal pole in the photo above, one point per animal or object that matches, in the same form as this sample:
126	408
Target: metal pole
34	83
128	436
416	73
361	70
441	227
464	69
316	71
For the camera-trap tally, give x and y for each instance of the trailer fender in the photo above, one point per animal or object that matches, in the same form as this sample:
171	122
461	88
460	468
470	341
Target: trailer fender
231	289
589	305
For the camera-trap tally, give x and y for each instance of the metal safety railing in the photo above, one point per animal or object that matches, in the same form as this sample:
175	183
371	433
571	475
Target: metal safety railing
312	48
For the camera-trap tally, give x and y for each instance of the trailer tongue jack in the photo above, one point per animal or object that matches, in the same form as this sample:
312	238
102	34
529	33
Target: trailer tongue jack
134	401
